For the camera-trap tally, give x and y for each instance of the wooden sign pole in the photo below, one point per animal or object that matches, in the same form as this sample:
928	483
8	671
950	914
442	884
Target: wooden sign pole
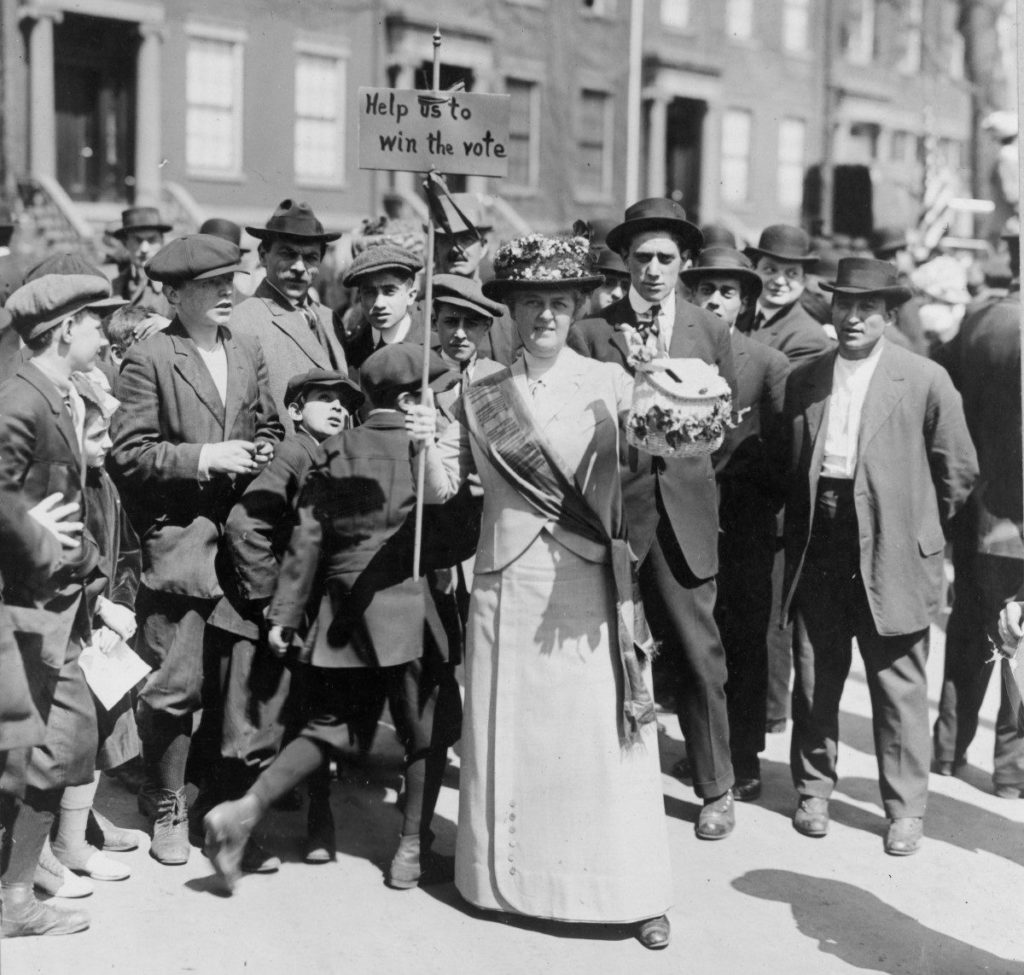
428	297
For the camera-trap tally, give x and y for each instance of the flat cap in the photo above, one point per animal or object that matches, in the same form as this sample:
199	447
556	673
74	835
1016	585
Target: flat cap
455	289
381	257
66	262
44	303
351	395
193	258
397	366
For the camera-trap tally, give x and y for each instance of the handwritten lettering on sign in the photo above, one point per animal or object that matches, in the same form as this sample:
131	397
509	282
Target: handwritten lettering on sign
401	130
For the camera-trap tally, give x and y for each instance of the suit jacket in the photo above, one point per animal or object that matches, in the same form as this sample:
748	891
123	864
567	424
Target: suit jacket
357	495
170	408
683	488
749	456
260	524
364	343
451	386
289	345
12	355
139	291
794	333
916	466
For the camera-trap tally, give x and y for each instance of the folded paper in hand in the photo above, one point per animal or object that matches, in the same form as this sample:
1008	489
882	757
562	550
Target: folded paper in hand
111	667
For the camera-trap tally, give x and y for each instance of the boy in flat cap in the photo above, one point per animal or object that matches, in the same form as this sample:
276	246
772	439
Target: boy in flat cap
295	331
320	404
41	423
197	423
384	277
355	501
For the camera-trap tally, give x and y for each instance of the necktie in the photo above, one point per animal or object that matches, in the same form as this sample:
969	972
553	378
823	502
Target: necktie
759	321
318	333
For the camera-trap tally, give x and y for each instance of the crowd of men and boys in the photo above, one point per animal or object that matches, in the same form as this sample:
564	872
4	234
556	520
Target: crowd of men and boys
221	481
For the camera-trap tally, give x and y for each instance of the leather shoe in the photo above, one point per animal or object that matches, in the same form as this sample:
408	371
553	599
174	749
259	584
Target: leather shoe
255	859
717	819
104	835
25	917
746	790
811	816
655	933
904	836
170	829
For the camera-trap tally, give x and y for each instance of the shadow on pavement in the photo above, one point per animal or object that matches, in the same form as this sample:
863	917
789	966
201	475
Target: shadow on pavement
863	931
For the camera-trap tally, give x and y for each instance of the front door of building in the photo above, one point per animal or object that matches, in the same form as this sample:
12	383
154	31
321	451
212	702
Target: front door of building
684	142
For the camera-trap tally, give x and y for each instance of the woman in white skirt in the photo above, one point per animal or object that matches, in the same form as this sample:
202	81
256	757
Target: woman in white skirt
561	813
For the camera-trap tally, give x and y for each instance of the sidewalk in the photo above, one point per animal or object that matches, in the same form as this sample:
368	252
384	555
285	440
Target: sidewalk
766	900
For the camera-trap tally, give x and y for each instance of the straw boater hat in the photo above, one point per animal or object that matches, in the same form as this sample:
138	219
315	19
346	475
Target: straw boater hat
724	261
140	218
541	261
866	276
293	219
655	213
784	243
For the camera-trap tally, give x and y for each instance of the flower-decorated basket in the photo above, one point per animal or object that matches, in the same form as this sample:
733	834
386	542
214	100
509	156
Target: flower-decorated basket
681	408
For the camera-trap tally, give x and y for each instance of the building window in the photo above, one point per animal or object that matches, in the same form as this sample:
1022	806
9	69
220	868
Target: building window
594	143
319	118
859	31
739	19
902	146
792	148
796	25
910	61
675	13
213	94
736	127
523	132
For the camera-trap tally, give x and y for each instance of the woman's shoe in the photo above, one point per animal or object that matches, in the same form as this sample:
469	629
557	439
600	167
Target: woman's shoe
405	871
228	827
655	933
103	834
25	917
93	863
53	878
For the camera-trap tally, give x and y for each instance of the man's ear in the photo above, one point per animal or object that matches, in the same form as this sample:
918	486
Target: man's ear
295	411
172	295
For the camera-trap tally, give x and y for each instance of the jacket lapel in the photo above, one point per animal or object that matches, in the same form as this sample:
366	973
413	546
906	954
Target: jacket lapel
618	315
682	345
885	390
191	368
236	383
818	393
293	323
62	418
568	386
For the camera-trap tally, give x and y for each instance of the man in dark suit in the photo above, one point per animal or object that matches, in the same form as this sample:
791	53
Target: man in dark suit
984	363
750	489
197	422
41	426
673	511
294	330
880	461
142	233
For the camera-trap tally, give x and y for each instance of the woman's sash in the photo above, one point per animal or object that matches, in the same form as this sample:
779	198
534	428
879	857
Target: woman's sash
499	420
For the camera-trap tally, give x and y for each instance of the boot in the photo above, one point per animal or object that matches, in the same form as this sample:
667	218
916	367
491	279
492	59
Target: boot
170	829
320	845
228	827
53	878
25	917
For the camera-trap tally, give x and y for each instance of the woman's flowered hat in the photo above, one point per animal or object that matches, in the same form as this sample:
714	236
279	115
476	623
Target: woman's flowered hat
542	261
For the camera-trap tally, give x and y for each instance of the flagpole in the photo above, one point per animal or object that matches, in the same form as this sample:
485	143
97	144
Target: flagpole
428	297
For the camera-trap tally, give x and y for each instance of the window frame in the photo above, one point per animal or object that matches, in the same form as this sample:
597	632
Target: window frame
533	163
725	157
604	194
341	55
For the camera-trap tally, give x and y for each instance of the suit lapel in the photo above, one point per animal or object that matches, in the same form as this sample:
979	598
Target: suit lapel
236	383
568	386
293	323
885	390
62	418
191	368
818	393
682	345
617	315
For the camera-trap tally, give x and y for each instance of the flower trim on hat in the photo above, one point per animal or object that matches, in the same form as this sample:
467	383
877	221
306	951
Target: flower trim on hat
539	257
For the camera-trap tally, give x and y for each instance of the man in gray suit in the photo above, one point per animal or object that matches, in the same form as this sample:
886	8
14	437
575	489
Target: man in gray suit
294	330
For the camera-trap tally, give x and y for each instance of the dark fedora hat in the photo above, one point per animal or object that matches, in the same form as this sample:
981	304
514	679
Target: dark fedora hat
222	227
785	243
293	219
608	263
140	218
714	261
885	241
654	213
867	276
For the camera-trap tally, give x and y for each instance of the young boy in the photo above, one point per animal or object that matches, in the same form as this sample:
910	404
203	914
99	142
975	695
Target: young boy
320	404
355	502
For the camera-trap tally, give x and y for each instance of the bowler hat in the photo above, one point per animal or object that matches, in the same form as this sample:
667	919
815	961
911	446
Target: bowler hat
540	261
193	258
654	213
228	229
293	219
397	366
351	395
140	218
381	257
714	261
784	243
885	241
456	289
718	235
866	276
44	303
472	211
609	263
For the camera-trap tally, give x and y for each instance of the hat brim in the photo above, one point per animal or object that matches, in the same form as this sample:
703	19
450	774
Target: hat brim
896	293
352	396
262	233
214	272
122	232
744	274
617	239
468	305
754	253
109	304
499	287
351	280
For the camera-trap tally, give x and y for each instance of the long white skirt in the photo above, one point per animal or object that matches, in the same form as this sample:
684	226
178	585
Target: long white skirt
557	817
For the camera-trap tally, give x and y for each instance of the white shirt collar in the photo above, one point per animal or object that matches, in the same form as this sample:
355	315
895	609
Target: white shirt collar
641	305
397	332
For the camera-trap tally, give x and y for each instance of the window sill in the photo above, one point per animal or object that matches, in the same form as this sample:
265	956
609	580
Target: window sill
213	176
321	184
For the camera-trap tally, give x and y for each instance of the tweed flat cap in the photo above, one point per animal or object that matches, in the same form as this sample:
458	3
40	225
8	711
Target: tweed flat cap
381	257
44	303
351	395
398	366
454	289
193	258
69	263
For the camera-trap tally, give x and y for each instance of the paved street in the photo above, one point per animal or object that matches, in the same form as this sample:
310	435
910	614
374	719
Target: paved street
766	900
